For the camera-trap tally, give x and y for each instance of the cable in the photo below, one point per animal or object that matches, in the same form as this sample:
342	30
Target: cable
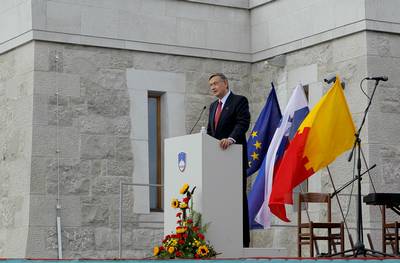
363	89
338	201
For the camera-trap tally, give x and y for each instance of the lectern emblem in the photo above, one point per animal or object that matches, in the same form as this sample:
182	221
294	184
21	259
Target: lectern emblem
182	161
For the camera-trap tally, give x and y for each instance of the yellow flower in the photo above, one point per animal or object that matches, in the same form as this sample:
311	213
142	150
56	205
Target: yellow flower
171	250
183	205
184	189
174	242
202	251
180	230
197	243
156	250
174	203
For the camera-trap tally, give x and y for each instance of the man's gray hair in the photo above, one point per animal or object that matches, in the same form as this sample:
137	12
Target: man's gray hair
222	76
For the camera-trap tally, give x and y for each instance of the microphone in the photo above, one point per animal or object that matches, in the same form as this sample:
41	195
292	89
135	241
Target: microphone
201	113
329	80
380	78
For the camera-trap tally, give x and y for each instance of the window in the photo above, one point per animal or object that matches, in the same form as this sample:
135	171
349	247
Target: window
154	130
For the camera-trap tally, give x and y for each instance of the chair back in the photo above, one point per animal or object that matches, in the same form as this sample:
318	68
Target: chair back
322	198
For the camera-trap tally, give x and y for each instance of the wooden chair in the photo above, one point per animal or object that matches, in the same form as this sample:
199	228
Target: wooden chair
390	233
308	236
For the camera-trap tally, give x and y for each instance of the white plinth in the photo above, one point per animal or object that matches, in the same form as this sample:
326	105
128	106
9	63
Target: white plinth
217	175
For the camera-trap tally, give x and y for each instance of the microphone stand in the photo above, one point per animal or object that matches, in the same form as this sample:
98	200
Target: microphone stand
359	248
201	113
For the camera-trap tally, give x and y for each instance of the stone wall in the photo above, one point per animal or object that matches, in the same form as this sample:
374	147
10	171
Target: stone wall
94	137
347	57
76	99
384	120
16	88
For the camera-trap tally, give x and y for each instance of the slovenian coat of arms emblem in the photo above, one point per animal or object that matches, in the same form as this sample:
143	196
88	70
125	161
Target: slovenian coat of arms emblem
182	161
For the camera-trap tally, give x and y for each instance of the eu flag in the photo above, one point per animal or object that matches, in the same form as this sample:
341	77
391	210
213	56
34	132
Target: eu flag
262	133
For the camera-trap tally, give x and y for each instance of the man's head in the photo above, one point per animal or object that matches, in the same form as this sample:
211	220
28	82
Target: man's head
218	84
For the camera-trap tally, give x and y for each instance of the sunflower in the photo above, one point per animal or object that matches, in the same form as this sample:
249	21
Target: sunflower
156	251
174	203
202	251
184	189
183	205
171	250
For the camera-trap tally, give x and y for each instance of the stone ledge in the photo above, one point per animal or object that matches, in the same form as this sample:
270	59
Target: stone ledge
252	57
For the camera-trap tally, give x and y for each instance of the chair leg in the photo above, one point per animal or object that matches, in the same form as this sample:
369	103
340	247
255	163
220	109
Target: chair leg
396	238
329	241
299	244
342	239
311	240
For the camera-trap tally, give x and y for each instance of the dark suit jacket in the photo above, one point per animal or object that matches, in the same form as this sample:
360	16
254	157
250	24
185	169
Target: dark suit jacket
234	121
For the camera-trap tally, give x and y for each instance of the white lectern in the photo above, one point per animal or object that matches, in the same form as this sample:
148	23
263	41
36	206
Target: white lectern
217	175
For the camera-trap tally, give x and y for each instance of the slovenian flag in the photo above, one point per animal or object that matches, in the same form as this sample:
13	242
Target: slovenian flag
294	114
326	132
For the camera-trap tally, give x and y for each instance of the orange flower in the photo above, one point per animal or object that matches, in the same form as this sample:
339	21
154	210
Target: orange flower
184	189
156	251
171	250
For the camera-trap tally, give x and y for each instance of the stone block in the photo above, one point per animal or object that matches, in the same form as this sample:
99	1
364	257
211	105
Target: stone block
99	167
212	66
74	239
8	210
124	150
235	38
93	124
44	212
107	102
99	21
72	180
78	106
97	146
56	60
349	47
106	238
95	215
191	32
51	82
107	185
59	111
36	243
41	52
120	167
63	17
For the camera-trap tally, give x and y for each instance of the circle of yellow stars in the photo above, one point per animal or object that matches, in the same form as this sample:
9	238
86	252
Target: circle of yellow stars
257	144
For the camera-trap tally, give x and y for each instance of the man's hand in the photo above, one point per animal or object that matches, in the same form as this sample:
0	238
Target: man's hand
225	143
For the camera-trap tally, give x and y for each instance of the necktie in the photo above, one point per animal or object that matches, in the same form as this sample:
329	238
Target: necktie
217	114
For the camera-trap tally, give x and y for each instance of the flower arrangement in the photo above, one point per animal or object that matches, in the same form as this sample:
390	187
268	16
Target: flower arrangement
188	241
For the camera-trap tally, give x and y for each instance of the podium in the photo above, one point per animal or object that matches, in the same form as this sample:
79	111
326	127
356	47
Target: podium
217	175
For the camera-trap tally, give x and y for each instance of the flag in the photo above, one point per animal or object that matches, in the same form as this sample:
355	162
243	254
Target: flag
295	111
326	132
262	133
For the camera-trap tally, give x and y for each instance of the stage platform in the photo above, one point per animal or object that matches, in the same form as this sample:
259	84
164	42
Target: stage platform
245	260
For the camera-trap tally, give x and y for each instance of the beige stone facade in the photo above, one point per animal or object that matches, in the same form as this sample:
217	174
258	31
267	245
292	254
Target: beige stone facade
64	84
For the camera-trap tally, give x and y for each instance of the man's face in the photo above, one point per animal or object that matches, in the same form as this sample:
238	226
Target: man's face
218	86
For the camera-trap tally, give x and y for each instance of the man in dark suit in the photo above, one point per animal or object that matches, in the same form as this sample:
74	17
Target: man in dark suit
228	121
